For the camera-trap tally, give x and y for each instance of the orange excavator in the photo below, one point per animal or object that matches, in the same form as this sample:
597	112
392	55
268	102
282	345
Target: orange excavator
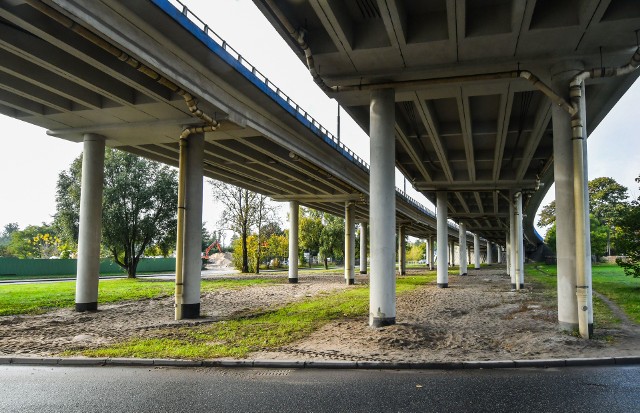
213	244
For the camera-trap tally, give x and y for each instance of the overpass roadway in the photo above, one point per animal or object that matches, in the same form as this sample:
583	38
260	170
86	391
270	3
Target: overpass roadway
466	121
54	75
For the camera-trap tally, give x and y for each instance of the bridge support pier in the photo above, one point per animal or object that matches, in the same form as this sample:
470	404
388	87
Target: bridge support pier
462	248
402	250
90	229
363	248
519	242
499	254
349	243
431	252
476	251
294	214
511	242
191	250
452	254
565	209
489	253
382	296
442	228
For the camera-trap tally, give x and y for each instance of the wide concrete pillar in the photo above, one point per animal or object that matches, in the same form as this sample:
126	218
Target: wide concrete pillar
349	243
499	254
565	210
442	276
382	296
431	252
192	261
402	250
363	248
462	248
489	253
519	242
511	249
476	251
90	229
294	215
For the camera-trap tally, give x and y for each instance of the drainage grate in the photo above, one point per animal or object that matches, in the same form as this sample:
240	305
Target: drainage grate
272	373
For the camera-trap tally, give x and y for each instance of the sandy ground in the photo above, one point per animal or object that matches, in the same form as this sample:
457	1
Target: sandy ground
477	318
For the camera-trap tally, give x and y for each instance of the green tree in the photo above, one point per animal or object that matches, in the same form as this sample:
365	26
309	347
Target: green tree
35	241
138	205
547	214
331	243
607	200
5	238
310	231
417	251
628	238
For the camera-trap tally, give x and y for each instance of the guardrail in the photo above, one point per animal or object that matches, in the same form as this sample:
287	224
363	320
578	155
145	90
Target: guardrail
180	6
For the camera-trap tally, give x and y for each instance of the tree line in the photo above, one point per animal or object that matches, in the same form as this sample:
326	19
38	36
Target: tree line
615	223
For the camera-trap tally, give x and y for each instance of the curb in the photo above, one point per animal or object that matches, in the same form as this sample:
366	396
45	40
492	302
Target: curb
323	364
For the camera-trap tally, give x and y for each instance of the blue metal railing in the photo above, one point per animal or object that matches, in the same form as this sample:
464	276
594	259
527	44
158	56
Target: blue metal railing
277	93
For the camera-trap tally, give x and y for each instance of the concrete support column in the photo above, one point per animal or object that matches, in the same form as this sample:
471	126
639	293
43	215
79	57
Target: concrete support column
519	242
349	243
363	248
511	251
294	215
462	248
402	250
441	216
582	221
382	296
431	253
476	251
565	209
192	261
499	255
452	255
90	229
489	253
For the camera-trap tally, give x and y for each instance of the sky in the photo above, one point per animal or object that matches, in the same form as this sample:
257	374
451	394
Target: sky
30	160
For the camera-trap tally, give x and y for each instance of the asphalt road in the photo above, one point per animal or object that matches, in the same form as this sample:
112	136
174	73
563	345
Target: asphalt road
115	389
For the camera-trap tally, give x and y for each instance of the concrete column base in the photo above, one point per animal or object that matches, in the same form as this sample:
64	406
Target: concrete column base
382	322
443	285
82	307
513	286
191	311
351	281
363	272
464	274
293	281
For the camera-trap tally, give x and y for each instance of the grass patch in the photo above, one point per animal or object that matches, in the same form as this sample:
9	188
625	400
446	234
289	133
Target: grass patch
238	337
40	298
607	279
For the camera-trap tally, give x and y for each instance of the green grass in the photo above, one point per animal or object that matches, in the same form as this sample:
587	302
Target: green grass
238	337
607	279
39	298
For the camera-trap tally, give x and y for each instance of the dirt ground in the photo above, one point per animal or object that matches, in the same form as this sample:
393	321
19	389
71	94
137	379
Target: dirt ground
477	318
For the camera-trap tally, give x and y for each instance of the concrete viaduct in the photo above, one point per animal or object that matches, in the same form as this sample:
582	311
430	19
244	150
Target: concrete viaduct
480	104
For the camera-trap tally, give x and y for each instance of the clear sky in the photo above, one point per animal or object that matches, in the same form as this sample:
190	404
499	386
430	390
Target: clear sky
30	160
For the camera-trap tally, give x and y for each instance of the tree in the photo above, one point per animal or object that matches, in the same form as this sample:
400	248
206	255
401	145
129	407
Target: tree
416	251
5	238
628	239
35	241
331	242
547	214
138	205
310	231
607	199
239	214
